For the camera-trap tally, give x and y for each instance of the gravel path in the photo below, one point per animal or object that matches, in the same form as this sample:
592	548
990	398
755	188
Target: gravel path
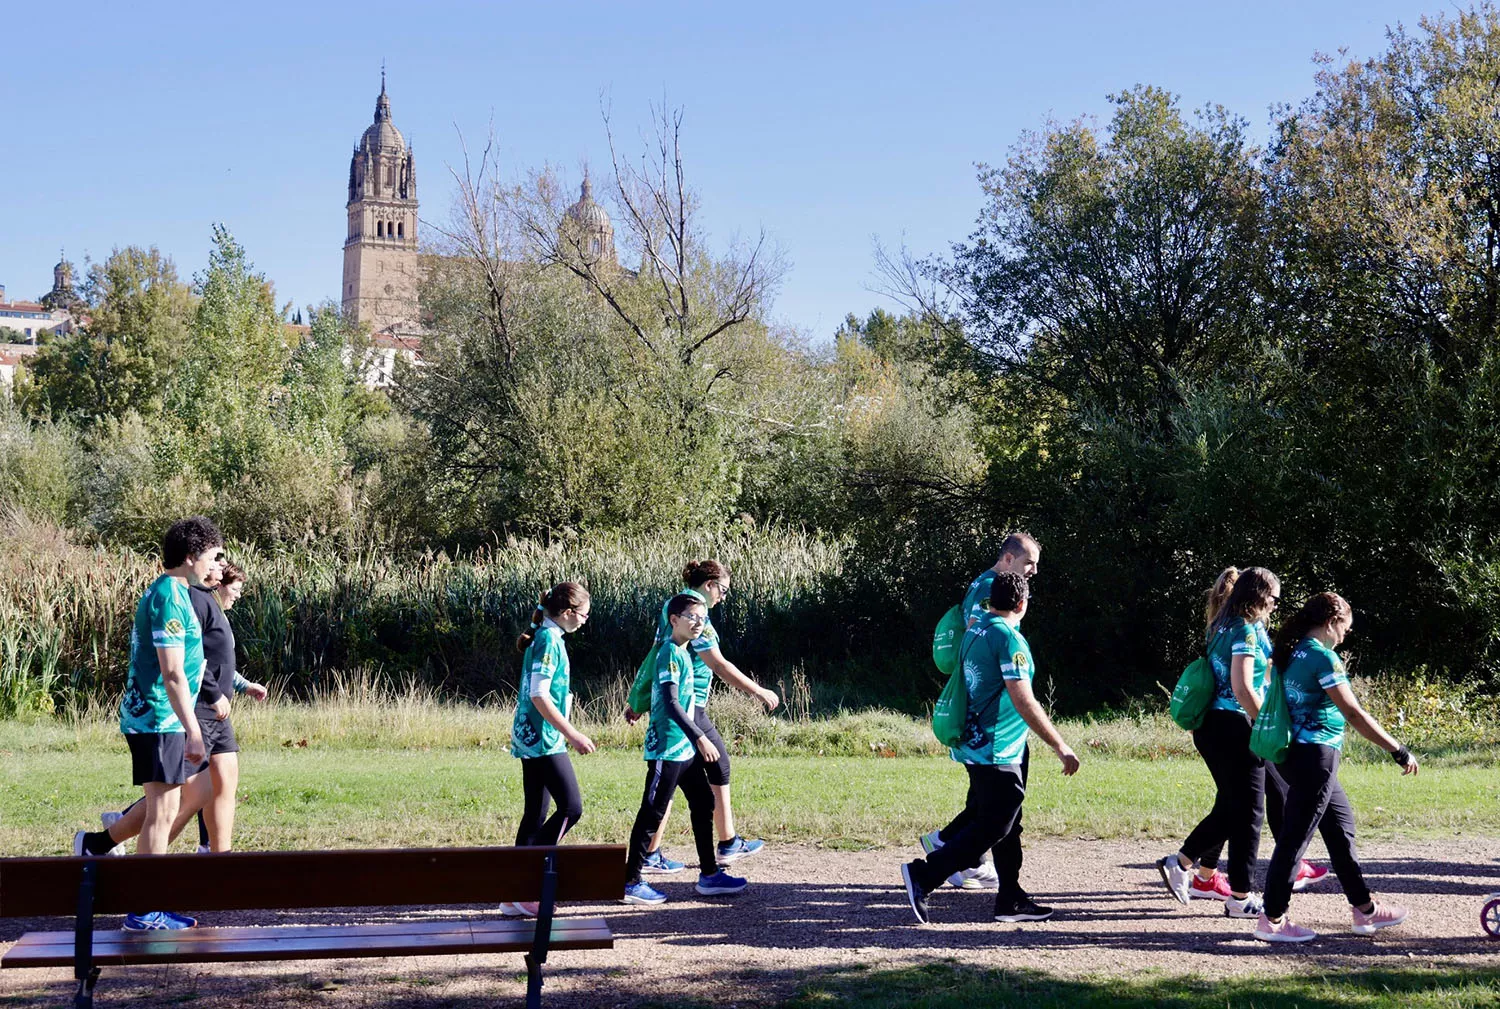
810	910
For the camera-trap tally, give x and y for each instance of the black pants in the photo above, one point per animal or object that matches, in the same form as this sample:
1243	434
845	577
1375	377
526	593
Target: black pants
718	771
544	780
1275	803
991	820
1239	805
664	777
1315	801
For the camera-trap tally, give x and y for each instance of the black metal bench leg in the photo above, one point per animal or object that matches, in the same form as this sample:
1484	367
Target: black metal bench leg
542	937
84	971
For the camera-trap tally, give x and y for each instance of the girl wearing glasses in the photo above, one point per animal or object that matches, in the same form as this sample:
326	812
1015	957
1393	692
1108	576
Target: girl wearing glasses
541	732
708	581
677	754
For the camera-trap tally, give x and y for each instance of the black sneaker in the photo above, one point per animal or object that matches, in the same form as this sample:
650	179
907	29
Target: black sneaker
1020	908
914	893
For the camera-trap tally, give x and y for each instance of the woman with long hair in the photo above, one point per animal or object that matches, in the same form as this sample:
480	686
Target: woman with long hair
1321	705
1238	653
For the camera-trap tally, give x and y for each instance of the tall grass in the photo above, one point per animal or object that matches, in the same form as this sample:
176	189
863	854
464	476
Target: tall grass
445	622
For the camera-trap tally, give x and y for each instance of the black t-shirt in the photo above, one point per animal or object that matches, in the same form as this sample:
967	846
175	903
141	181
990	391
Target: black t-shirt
218	646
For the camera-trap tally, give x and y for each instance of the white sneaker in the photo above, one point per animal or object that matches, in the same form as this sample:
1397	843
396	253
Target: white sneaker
109	819
1251	907
1176	877
982	877
204	849
930	842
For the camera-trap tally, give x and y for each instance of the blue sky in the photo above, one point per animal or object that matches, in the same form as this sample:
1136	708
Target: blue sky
828	124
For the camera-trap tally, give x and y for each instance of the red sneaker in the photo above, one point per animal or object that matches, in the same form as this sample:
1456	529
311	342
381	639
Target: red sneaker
1214	888
1308	874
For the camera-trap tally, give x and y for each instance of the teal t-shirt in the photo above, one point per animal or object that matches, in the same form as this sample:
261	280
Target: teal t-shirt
1238	637
706	641
974	599
164	618
994	733
544	671
665	739
1313	669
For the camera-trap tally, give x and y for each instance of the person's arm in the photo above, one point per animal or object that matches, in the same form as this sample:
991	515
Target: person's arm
1031	712
676	713
172	660
1365	724
559	721
731	674
1241	673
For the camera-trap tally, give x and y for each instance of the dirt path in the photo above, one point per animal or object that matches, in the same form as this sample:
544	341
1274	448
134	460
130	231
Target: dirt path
809	910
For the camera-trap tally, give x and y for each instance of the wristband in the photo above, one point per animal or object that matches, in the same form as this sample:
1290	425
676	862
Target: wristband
1401	756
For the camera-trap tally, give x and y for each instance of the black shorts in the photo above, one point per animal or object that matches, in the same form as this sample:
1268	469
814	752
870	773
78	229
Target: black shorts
218	737
718	771
157	757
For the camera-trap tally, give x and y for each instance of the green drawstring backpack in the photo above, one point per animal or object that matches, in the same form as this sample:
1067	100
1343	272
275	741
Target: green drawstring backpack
947	638
952	707
1193	694
640	691
1272	732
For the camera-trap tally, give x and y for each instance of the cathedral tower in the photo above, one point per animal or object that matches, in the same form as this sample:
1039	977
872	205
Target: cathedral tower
380	252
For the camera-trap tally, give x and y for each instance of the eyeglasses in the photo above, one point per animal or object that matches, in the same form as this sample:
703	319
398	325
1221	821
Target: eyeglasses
1275	600
723	588
694	618
582	615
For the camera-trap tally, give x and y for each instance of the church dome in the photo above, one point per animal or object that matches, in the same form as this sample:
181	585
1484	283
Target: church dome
382	135
586	212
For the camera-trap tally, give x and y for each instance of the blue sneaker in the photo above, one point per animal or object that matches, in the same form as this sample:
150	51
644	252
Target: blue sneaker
720	883
644	893
156	921
737	848
657	864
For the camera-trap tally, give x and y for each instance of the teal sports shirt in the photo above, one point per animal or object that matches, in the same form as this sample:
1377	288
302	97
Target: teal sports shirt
665	739
164	618
1238	637
544	672
706	641
974	598
1314	669
994	731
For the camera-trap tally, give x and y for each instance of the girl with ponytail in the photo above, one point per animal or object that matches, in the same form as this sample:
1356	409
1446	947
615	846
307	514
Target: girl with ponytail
541	732
1321	704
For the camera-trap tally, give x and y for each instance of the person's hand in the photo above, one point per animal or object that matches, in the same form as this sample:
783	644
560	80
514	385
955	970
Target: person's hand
707	750
631	717
582	743
769	698
221	708
256	690
192	747
1411	765
1069	759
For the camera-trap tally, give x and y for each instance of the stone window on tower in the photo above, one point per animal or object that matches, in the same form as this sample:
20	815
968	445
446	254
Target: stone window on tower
379	229
390	175
400	229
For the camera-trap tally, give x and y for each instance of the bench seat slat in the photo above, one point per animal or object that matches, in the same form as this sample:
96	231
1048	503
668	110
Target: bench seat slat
209	945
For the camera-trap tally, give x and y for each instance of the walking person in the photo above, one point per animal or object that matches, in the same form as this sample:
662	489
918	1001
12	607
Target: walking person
1020	554
677	753
157	710
1208	882
709	581
1320	705
213	798
541	731
998	670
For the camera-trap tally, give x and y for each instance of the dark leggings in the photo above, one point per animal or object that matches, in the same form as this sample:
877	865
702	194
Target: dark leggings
1239	805
1315	801
544	780
663	778
718	771
990	820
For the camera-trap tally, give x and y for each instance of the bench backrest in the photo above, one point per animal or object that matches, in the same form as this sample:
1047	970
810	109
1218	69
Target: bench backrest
236	880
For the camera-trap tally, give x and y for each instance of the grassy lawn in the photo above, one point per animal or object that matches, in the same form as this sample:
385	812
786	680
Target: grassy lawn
54	780
953	986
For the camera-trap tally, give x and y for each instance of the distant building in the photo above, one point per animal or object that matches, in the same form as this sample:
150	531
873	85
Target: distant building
54	312
11	357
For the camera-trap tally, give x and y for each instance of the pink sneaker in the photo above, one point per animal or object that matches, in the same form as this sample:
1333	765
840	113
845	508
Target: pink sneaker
1284	930
1214	888
1383	916
1307	875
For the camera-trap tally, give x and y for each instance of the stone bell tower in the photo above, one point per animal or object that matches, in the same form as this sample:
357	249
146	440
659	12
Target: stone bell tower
380	250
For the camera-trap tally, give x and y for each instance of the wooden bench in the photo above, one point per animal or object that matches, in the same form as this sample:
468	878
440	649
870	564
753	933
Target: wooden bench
242	881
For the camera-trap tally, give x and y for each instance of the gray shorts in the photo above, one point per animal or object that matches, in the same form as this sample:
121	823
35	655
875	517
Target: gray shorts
157	757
